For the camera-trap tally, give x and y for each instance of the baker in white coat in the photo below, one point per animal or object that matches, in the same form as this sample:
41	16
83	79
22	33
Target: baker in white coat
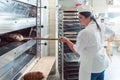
90	46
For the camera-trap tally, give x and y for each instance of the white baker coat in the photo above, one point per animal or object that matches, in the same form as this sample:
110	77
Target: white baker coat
90	46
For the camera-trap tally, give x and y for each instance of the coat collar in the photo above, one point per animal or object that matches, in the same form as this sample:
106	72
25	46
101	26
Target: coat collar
91	24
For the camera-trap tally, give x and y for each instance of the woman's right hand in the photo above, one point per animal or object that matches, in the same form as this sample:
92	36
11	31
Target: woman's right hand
64	39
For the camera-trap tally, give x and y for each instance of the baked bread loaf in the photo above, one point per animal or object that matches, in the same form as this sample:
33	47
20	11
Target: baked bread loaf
33	76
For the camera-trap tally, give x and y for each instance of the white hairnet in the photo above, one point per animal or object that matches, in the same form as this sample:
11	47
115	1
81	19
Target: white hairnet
85	8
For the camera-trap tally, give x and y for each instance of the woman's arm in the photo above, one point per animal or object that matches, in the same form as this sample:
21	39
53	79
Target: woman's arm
69	43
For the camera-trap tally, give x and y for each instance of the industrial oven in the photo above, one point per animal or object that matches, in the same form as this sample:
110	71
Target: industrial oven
19	17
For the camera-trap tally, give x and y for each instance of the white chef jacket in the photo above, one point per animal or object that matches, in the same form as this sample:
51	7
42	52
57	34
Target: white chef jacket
90	46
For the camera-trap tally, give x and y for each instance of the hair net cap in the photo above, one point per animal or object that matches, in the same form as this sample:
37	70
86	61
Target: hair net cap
85	8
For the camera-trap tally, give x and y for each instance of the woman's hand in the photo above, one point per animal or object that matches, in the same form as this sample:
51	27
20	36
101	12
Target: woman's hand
68	42
64	39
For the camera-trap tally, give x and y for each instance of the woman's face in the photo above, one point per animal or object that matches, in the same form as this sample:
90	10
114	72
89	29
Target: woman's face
83	20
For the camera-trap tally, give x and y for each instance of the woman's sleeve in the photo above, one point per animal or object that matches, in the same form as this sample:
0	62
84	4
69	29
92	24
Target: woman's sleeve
81	42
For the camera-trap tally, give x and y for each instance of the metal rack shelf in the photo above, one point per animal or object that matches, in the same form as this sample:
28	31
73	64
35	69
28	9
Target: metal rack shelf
68	27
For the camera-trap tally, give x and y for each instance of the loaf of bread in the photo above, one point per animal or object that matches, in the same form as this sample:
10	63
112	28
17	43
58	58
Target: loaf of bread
33	76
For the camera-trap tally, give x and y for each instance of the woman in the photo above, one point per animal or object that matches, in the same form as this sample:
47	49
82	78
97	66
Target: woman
90	46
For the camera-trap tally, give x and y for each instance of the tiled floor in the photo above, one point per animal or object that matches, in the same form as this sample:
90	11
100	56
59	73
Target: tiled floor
113	71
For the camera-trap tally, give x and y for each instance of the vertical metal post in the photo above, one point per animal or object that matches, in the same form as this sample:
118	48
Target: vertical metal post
62	48
38	25
60	45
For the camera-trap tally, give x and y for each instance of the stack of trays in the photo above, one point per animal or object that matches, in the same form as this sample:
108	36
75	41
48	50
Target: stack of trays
71	66
71	27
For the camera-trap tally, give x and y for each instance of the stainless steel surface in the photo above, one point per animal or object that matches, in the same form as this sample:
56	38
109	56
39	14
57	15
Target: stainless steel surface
15	58
19	16
16	52
16	17
31	2
38	26
60	45
16	24
14	66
